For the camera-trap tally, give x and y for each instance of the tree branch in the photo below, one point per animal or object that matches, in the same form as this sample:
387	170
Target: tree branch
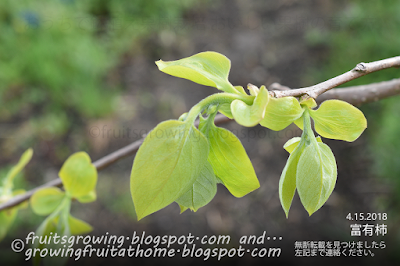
355	95
360	70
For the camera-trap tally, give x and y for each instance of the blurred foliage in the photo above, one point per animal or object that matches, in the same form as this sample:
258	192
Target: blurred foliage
56	57
364	31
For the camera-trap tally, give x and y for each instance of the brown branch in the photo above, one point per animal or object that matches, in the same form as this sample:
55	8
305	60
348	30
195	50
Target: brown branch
356	95
360	70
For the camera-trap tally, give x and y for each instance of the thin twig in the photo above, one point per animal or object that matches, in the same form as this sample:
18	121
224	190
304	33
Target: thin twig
360	70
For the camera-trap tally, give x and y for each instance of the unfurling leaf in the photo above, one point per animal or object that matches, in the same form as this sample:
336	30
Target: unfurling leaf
229	160
206	68
166	165
337	119
46	200
250	115
281	112
201	192
316	176
78	175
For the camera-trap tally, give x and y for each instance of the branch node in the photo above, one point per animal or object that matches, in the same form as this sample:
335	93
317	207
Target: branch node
361	67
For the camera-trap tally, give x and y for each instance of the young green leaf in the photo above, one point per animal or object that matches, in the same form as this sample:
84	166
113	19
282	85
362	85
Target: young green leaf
337	119
78	227
229	160
292	143
46	200
166	165
201	192
316	176
281	112
250	115
287	182
206	68
23	161
78	175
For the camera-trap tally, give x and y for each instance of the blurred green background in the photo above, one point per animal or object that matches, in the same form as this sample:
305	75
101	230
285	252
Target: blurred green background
76	75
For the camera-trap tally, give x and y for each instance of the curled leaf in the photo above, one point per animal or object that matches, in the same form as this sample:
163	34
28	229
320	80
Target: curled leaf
250	115
206	68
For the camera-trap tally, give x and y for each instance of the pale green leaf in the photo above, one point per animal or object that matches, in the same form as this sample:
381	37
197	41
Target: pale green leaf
250	115
166	165
206	68
46	200
337	119
202	191
281	112
78	227
316	176
287	181
78	175
292	143
23	161
229	160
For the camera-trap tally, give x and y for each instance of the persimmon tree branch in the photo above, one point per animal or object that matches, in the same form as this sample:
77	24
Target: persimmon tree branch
359	70
356	95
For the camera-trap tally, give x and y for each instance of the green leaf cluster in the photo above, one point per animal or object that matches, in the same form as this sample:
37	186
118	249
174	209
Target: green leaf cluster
179	163
311	167
79	178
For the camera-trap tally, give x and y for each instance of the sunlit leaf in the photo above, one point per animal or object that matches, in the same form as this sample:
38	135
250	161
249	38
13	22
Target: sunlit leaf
250	115
201	192
166	165
316	176
337	119
281	112
229	160
206	68
78	175
46	200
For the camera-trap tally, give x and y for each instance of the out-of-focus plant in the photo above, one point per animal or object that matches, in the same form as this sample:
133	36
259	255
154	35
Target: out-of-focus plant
55	56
